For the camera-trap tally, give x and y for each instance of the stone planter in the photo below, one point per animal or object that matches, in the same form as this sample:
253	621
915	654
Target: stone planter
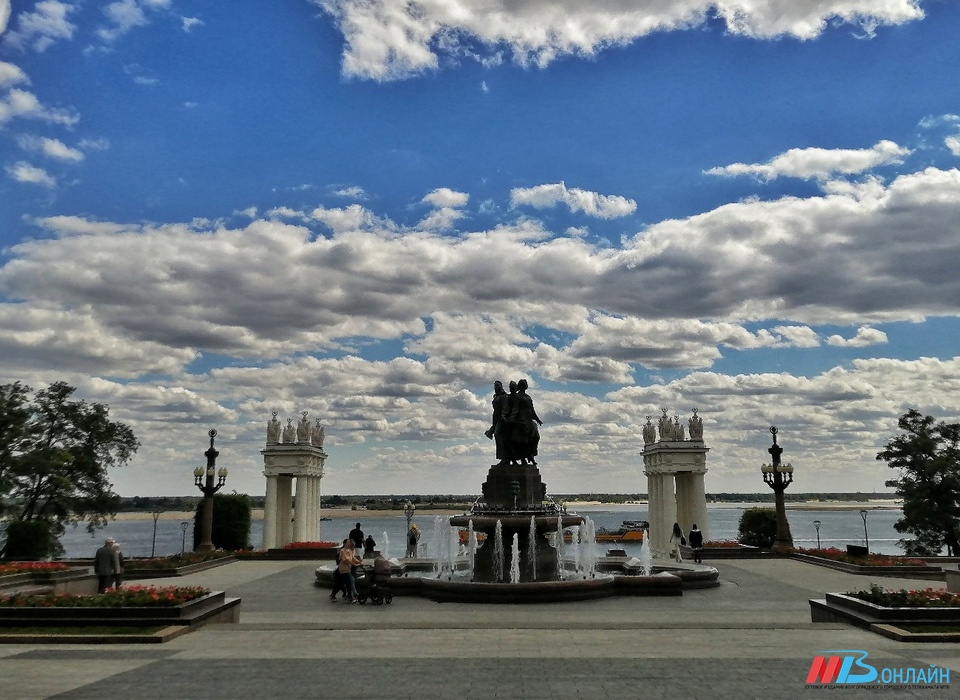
78	580
929	573
131	571
887	621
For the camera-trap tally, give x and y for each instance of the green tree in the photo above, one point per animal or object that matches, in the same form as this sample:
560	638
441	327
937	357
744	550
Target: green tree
927	457
758	527
231	522
54	455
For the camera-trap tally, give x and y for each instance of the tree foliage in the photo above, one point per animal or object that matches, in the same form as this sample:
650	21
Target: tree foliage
758	527
54	455
927	457
231	522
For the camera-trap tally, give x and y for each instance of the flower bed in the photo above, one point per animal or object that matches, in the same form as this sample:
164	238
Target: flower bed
311	545
31	567
873	564
922	615
903	598
722	544
176	561
834	554
131	596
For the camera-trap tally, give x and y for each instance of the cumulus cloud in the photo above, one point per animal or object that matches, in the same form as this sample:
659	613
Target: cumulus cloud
42	27
388	40
11	75
188	23
822	163
124	15
953	143
353	192
52	148
20	103
23	171
865	336
591	203
445	197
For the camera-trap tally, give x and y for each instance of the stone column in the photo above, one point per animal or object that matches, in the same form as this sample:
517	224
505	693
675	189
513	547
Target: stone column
312	521
270	514
301	510
662	507
284	508
698	504
685	508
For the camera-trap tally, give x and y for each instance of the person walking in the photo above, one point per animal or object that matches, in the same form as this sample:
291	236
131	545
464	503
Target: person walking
118	577
339	580
347	562
677	539
106	563
356	534
696	543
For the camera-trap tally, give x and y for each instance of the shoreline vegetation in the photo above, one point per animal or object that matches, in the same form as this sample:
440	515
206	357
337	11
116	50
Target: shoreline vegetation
182	508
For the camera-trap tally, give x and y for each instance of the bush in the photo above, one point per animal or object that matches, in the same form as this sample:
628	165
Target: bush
758	527
231	522
30	540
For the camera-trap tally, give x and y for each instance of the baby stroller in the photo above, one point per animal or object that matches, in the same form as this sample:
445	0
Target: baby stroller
373	586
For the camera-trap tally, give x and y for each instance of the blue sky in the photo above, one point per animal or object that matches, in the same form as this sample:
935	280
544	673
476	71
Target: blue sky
371	210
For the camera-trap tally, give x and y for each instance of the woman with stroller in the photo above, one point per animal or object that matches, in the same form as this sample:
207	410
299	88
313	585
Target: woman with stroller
347	561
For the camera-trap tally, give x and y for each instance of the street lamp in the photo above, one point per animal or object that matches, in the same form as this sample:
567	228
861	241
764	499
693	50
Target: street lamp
866	538
153	547
816	524
183	536
203	478
778	477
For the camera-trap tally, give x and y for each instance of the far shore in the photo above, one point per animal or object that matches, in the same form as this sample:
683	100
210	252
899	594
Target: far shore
350	513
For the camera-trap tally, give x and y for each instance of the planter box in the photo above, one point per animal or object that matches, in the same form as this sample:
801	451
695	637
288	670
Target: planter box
928	573
321	553
131	571
214	607
886	621
74	580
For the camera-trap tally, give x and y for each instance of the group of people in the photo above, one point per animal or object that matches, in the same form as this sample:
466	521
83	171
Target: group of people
515	425
695	540
349	558
108	566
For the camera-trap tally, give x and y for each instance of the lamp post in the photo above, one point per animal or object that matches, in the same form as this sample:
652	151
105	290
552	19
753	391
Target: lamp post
866	538
778	477
816	524
183	536
408	510
153	547
203	478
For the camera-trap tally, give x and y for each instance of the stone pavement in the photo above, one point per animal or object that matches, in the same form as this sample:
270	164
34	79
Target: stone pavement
749	638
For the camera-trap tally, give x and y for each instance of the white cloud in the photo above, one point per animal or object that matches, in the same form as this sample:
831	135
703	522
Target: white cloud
189	23
22	171
953	143
11	75
353	192
41	28
387	40
101	144
124	15
52	148
4	14
865	336
822	163
445	197
591	203
20	103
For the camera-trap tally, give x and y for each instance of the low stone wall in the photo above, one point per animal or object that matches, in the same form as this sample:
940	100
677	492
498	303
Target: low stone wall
930	573
886	621
76	580
131	572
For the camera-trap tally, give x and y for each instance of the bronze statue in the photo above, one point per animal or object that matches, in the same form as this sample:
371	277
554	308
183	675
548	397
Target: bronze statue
515	422
500	406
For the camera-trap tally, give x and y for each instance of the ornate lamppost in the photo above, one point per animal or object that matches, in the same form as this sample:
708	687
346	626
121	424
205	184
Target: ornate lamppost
778	477
203	478
816	524
408	510
866	537
153	547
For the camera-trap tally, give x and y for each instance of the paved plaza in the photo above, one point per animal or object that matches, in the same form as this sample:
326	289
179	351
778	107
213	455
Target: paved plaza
749	638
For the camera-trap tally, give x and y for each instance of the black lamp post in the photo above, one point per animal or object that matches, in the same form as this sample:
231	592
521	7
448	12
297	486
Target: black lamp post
408	510
183	536
778	477
866	537
203	478
816	524
153	547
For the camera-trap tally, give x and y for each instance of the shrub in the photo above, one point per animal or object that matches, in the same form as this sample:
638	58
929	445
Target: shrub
32	567
131	596
30	539
231	522
758	527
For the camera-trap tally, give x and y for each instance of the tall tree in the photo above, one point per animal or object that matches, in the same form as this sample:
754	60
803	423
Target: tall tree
927	457
54	457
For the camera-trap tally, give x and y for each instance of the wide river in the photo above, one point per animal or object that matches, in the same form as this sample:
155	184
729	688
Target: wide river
839	527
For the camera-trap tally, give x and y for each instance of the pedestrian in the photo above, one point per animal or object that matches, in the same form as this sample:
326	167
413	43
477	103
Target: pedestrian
118	577
676	540
106	563
339	580
347	563
356	534
369	546
413	538
696	543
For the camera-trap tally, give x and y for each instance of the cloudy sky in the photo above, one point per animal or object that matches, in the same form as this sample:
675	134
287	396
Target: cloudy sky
369	210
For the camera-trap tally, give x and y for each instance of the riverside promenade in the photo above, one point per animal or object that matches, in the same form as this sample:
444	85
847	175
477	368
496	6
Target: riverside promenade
749	638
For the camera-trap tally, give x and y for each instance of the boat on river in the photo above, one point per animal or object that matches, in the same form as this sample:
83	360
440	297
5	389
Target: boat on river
630	531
